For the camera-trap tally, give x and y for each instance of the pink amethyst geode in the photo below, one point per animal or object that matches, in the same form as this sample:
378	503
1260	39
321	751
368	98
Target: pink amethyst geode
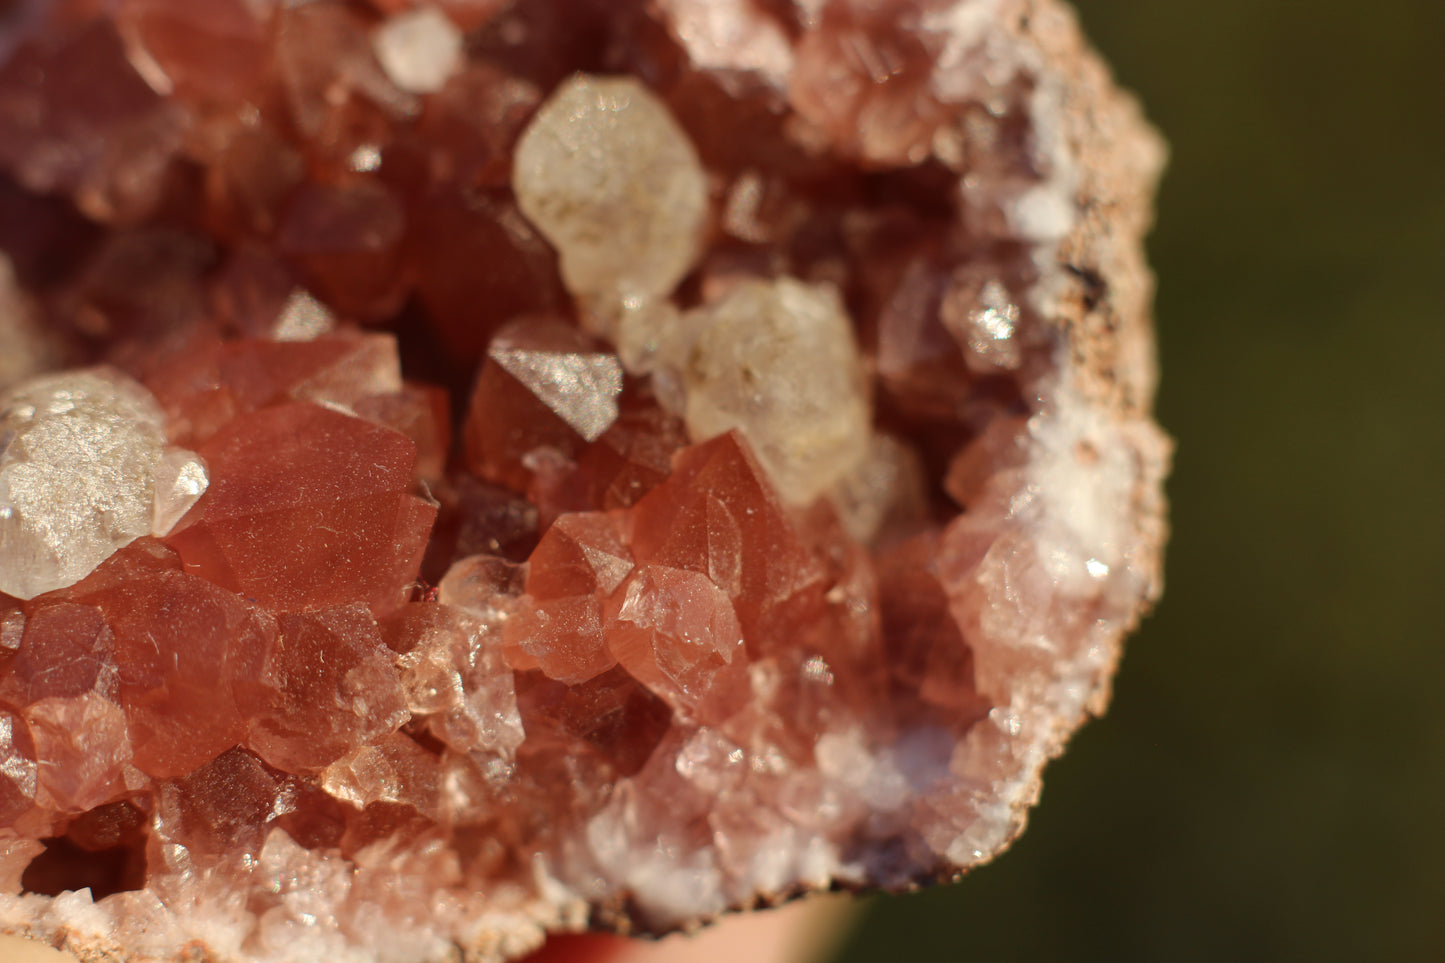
478	468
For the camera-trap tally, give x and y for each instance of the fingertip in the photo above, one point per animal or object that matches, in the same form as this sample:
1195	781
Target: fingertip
807	931
17	949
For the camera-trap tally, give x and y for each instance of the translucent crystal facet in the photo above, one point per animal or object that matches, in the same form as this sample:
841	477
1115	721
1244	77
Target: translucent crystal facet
333	487
84	471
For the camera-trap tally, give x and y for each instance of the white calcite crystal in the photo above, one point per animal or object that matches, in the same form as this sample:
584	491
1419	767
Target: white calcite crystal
84	471
608	176
420	50
777	360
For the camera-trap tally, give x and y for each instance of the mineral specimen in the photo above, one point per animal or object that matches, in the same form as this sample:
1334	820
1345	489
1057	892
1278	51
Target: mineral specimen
476	469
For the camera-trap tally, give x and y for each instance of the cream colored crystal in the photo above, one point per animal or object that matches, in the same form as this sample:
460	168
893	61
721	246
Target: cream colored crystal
888	484
777	361
420	50
611	180
80	455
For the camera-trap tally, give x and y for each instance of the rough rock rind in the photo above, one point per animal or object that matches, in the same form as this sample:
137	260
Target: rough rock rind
1102	310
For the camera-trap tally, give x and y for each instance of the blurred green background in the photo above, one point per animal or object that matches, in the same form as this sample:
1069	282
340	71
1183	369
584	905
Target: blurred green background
1268	783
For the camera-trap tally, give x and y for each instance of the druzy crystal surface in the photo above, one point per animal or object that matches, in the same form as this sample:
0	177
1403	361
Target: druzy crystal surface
476	468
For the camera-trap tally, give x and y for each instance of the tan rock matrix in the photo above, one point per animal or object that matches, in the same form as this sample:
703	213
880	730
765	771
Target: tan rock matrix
473	469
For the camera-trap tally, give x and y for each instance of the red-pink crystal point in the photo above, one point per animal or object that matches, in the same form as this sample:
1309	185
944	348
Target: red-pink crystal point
575	568
419	412
346	241
336	94
308	508
206	382
631	458
326	685
20	779
64	683
220	811
214	54
181	645
479	264
716	515
676	632
472	125
612	715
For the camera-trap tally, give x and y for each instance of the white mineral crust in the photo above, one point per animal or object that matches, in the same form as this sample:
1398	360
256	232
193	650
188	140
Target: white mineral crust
80	458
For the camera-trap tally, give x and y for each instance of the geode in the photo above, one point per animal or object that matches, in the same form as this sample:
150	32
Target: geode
477	468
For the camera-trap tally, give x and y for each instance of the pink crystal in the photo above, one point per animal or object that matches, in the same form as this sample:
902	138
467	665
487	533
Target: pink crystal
716	515
346	241
333	488
338	651
107	144
545	387
182	645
